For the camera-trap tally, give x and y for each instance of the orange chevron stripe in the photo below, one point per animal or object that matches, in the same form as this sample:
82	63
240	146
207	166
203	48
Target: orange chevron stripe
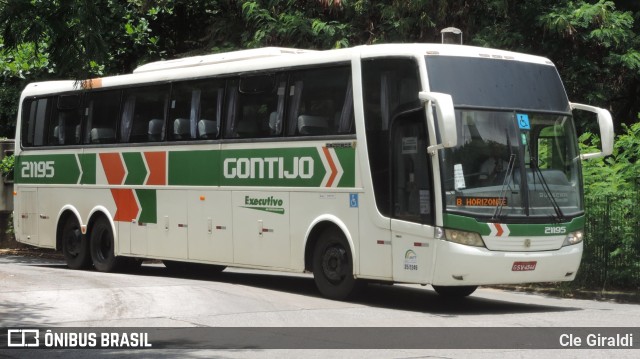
334	169
157	162
113	167
127	207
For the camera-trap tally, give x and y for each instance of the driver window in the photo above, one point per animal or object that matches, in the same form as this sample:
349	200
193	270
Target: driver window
411	174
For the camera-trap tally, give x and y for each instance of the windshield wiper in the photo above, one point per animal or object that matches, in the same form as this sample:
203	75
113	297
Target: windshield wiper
506	183
547	190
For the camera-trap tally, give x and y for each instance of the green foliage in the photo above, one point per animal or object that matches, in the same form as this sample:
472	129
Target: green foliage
22	61
6	167
596	48
611	257
292	23
618	173
612	192
63	31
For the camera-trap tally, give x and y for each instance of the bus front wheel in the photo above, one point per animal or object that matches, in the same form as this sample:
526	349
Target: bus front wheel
455	291
74	245
102	250
333	266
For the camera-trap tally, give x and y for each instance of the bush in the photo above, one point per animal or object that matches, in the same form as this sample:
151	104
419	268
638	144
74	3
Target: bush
612	239
6	167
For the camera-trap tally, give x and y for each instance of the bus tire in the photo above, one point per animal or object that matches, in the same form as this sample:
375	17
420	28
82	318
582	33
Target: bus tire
75	247
333	266
102	248
455	291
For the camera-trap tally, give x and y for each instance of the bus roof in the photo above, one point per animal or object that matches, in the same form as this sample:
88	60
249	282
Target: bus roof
245	61
219	58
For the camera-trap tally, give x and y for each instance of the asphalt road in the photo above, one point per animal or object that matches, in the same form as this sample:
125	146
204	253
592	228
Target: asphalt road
45	294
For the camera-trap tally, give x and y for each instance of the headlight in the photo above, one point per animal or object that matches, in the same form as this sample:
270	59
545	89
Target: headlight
462	237
573	238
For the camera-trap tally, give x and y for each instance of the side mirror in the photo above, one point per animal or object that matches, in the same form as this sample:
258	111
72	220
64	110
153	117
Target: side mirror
446	117
606	129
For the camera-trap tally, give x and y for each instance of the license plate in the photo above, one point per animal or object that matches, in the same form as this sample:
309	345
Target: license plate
523	266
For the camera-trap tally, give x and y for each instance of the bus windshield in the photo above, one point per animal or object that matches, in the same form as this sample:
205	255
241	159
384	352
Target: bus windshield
517	152
511	164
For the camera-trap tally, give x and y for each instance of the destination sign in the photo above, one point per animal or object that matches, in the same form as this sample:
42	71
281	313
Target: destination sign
481	201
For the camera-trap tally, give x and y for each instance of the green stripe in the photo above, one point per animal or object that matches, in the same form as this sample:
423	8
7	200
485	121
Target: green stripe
282	167
136	171
88	163
271	167
194	168
516	230
465	223
149	206
347	158
47	169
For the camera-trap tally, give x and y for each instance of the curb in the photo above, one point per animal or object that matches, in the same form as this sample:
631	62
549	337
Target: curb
577	293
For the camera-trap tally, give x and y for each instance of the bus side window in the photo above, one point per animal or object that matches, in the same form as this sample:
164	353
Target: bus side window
256	107
35	120
101	113
195	110
320	102
210	113
65	121
143	114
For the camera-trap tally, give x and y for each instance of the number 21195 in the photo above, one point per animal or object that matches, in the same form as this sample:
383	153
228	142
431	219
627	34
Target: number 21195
37	169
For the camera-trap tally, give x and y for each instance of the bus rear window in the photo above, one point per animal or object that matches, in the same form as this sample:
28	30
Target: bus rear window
35	118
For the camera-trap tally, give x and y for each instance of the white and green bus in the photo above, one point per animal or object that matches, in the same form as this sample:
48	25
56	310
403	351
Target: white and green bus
447	165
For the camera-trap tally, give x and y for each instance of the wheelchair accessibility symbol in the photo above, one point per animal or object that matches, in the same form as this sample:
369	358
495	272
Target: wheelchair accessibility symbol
523	121
353	200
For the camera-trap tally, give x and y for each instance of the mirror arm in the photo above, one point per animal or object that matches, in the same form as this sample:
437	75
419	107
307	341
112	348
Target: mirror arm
446	116
432	150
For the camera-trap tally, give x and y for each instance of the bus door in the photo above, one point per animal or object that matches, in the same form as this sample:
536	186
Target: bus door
412	231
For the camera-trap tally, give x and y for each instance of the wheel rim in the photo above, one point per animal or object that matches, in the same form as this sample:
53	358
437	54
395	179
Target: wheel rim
73	242
335	264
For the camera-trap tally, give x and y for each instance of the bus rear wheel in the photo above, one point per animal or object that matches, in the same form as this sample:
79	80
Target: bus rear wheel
333	266
102	248
74	245
455	291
